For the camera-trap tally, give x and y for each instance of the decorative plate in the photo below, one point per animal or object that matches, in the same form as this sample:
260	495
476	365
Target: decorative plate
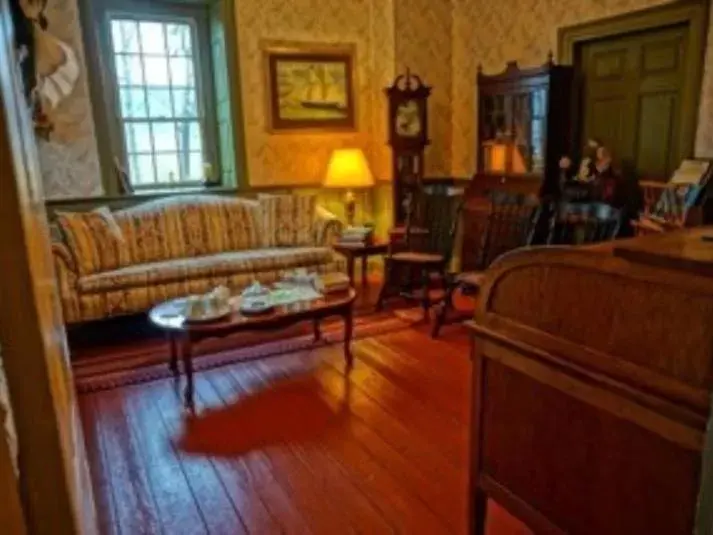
256	306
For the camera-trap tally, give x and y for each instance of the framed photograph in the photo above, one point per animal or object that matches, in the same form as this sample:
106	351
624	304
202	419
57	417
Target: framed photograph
310	87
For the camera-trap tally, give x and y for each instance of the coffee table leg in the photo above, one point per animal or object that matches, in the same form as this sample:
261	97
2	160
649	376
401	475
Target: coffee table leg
173	359
188	368
348	332
317	330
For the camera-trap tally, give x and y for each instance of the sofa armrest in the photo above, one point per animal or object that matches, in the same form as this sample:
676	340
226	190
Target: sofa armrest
61	254
67	282
327	227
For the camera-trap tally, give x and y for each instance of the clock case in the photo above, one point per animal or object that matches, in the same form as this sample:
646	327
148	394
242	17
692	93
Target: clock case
407	151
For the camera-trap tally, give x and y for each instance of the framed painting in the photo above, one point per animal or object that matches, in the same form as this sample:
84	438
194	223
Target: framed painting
310	87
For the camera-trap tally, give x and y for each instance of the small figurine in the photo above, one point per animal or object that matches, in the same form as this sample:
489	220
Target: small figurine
596	161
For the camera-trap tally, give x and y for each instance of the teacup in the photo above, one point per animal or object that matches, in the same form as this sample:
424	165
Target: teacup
211	304
222	295
195	307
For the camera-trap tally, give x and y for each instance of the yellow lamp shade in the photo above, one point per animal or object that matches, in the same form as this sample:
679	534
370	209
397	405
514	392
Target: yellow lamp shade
348	168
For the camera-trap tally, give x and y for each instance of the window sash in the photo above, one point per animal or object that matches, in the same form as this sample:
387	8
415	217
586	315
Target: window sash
201	83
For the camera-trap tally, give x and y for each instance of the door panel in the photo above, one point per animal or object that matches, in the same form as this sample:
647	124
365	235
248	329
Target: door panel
632	97
656	136
607	119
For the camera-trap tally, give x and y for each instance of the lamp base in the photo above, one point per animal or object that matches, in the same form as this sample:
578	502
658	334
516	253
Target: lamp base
350	207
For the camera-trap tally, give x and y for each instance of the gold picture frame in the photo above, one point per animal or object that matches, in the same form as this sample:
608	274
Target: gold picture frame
310	87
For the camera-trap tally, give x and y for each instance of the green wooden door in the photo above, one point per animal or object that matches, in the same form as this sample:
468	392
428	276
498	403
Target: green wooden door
633	98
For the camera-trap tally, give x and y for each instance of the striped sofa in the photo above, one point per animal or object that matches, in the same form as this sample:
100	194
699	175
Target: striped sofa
111	264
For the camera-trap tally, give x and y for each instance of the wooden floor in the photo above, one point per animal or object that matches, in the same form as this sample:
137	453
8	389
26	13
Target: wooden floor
290	445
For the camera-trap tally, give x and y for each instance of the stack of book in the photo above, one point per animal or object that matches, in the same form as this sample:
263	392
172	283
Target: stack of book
333	283
356	235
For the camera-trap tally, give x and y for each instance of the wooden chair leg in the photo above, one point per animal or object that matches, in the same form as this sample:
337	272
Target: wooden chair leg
385	286
426	299
442	313
382	296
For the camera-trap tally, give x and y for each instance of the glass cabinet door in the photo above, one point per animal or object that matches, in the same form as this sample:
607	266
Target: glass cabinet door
538	134
529	116
513	132
495	124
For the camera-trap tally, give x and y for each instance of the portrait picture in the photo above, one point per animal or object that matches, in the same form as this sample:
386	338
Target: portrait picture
310	88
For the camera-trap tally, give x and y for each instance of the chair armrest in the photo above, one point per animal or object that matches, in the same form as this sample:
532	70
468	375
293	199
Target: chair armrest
326	227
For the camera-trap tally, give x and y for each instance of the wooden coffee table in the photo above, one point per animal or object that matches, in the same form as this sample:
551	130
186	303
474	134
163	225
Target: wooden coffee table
183	335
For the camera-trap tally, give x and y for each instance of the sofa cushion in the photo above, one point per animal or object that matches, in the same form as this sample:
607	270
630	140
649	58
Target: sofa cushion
223	264
288	220
180	227
95	240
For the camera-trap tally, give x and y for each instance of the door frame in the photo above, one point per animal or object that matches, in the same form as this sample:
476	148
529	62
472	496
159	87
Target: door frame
692	13
53	474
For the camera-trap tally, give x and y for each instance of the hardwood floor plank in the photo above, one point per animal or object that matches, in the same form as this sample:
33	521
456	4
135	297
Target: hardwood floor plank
233	473
427	379
99	466
423	450
405	509
136	508
394	398
336	492
277	499
320	512
445	498
289	444
218	511
175	501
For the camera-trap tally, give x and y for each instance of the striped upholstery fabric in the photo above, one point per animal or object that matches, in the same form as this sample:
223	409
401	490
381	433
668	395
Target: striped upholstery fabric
118	302
179	227
126	262
288	219
94	241
218	265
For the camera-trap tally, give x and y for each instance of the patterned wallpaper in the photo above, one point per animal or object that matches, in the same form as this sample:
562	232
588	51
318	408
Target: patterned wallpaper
423	44
277	159
390	35
493	32
70	159
442	40
704	137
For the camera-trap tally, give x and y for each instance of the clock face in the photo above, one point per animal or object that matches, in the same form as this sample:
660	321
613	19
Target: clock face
408	119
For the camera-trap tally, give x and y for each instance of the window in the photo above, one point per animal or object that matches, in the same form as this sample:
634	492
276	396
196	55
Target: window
165	87
160	110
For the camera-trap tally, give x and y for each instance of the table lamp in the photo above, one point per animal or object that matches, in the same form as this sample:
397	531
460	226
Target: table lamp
348	169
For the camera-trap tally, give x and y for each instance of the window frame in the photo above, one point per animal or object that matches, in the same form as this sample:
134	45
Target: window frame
198	17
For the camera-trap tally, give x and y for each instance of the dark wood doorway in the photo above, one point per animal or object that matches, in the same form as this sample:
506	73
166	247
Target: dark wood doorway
641	82
633	96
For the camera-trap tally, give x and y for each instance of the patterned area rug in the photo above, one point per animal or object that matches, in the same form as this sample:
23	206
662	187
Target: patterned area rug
144	360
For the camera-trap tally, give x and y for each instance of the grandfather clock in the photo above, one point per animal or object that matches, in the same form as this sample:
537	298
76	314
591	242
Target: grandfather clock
408	137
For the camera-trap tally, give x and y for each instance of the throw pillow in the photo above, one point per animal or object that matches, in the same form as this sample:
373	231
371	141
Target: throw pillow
288	220
94	239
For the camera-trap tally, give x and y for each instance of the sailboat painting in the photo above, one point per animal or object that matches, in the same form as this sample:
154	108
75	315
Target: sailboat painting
310	90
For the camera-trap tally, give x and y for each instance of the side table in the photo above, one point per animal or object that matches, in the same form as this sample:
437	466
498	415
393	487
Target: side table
360	250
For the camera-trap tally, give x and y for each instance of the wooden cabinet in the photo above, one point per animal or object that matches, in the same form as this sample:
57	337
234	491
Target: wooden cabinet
524	127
